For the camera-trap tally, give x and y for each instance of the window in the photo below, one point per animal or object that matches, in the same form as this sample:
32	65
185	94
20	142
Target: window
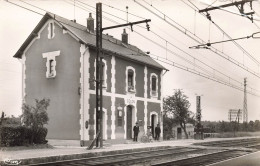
120	118
51	30
51	67
130	80
51	63
153	85
104	76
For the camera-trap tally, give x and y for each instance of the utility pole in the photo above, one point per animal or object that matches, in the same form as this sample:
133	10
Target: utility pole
199	127
245	113
99	70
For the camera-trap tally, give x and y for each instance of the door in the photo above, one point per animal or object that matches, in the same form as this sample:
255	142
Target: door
129	122
152	125
179	135
104	125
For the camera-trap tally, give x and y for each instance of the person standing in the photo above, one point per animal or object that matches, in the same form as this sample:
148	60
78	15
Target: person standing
136	131
157	132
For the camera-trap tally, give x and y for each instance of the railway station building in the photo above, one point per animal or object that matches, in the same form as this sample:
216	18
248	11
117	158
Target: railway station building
58	63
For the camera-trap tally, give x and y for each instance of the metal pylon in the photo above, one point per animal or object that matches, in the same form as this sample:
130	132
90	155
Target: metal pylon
245	115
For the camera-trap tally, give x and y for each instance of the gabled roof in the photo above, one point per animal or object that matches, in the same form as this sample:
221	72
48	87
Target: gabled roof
109	44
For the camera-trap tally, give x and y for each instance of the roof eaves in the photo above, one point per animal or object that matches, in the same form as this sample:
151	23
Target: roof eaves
32	35
128	58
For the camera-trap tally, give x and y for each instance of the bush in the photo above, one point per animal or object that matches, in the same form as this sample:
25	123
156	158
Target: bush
40	135
12	136
21	135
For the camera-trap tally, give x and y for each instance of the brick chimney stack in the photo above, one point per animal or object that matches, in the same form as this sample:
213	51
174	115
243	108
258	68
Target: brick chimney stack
124	37
90	23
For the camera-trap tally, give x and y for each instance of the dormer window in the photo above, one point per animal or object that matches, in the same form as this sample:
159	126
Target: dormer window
153	85
130	82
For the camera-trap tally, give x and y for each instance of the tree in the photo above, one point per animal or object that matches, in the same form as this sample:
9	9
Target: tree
177	106
251	125
257	125
35	117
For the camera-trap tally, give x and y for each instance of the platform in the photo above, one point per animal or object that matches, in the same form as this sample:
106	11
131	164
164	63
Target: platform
70	149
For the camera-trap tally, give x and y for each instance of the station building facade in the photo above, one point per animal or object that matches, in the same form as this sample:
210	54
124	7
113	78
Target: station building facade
58	62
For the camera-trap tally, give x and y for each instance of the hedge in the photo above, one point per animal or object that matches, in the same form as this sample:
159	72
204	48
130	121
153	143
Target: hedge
21	135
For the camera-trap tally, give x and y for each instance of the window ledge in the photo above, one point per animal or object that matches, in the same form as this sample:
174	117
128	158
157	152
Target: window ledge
155	97
51	76
131	91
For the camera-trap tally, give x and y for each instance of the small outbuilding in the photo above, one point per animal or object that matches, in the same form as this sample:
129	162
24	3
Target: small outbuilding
178	132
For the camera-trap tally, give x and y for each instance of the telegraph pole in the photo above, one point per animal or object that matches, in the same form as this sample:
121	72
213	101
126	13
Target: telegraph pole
99	70
198	127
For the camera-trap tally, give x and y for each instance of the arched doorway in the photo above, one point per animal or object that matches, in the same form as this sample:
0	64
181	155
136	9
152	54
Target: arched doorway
129	112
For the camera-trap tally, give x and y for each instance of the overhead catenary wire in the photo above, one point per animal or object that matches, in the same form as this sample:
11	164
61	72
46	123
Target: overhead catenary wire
165	16
238	45
230	78
174	64
165	32
235	62
197	39
185	31
59	21
118	17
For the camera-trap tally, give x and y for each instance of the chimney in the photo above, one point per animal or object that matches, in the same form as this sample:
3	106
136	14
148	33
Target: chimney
90	23
124	37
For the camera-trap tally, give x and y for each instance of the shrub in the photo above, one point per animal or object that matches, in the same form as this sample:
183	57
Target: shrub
40	135
21	135
12	135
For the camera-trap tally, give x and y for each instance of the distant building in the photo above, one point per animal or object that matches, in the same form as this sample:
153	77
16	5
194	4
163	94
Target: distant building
58	61
178	132
235	115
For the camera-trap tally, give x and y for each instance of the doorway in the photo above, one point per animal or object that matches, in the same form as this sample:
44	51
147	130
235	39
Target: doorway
104	121
129	122
153	124
179	134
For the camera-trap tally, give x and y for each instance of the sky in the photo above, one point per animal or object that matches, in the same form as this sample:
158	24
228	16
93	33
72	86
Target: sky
169	19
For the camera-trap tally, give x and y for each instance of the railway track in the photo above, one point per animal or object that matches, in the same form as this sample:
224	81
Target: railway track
204	159
232	143
179	156
132	158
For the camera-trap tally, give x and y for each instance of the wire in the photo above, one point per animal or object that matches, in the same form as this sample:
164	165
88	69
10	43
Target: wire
228	57
174	64
123	11
212	3
189	34
38	13
182	57
223	41
239	46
